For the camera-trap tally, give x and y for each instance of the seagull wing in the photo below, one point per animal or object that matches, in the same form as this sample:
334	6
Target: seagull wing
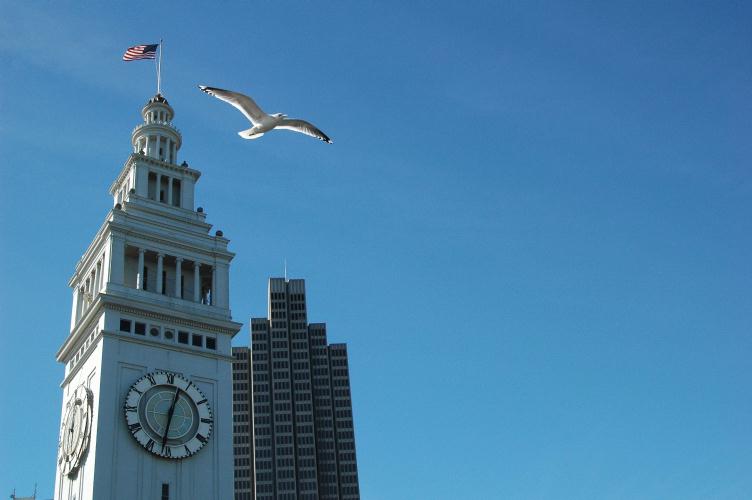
304	127
245	104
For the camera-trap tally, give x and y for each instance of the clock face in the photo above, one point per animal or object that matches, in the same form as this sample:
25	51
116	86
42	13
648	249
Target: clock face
76	430
168	415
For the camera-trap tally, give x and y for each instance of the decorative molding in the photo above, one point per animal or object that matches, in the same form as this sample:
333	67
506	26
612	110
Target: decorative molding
198	325
138	157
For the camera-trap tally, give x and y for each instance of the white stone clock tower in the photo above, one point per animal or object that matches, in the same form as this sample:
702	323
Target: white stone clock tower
147	393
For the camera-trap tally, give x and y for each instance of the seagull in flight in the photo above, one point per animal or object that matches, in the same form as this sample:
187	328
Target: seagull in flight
261	121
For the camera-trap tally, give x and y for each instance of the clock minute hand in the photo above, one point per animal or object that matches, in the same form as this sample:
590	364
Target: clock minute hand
169	416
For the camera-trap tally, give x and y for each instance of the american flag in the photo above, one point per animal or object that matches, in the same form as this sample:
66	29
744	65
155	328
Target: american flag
141	52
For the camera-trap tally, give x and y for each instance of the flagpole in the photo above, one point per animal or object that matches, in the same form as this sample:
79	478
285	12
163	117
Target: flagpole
159	69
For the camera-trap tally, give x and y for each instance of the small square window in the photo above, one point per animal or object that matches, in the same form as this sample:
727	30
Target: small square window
125	325
198	340
211	343
140	328
183	337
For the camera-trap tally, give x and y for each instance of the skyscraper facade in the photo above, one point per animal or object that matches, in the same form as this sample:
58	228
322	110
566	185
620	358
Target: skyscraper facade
292	410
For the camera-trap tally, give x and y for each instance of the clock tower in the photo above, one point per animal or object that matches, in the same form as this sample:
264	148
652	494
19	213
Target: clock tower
147	392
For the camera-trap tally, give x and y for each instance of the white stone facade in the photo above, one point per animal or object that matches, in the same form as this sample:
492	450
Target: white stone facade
151	293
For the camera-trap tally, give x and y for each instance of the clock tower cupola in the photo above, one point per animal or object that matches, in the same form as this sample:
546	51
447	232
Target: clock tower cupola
157	137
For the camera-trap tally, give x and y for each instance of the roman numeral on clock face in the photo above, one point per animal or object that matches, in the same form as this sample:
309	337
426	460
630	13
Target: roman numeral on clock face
130	408
134	428
201	438
150	445
150	377
207	420
170	378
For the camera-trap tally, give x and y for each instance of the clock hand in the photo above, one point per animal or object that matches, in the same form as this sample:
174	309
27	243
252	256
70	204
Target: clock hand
169	416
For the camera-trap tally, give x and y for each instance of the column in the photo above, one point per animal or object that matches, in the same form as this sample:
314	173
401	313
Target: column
169	191
213	287
178	277
196	282
76	307
140	276
160	283
114	263
159	180
98	278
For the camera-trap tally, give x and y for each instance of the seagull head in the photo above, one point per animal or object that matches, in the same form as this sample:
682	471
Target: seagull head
279	115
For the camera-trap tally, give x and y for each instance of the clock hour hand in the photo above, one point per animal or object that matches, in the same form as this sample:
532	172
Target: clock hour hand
169	416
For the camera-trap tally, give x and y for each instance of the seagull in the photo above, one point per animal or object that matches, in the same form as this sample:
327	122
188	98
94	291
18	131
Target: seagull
261	121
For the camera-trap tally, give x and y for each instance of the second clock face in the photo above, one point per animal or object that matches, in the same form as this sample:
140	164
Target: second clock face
168	415
74	436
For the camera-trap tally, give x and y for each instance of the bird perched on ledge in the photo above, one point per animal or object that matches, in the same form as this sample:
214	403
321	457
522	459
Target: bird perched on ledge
261	121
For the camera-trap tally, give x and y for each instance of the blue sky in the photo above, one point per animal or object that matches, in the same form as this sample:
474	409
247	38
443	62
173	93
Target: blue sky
532	230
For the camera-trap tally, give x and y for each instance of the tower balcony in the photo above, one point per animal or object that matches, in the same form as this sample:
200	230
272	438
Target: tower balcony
156	124
157	139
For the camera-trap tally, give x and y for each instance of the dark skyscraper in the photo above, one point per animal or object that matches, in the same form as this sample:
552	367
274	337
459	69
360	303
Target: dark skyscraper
293	425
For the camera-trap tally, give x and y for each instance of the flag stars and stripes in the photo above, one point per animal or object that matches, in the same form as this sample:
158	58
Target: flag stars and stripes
141	52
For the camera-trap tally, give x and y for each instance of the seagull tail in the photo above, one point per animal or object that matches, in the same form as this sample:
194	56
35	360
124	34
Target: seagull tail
249	134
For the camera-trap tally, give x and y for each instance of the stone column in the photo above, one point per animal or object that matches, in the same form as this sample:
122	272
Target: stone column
98	278
160	283
196	282
140	277
76	306
114	270
213	288
178	277
169	191
93	288
159	180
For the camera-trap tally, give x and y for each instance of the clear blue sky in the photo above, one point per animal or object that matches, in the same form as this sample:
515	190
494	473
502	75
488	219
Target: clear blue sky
533	229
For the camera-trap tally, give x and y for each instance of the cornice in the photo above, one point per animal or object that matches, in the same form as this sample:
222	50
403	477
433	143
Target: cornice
104	302
83	325
143	302
136	157
87	353
169	318
215	246
137	203
134	340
